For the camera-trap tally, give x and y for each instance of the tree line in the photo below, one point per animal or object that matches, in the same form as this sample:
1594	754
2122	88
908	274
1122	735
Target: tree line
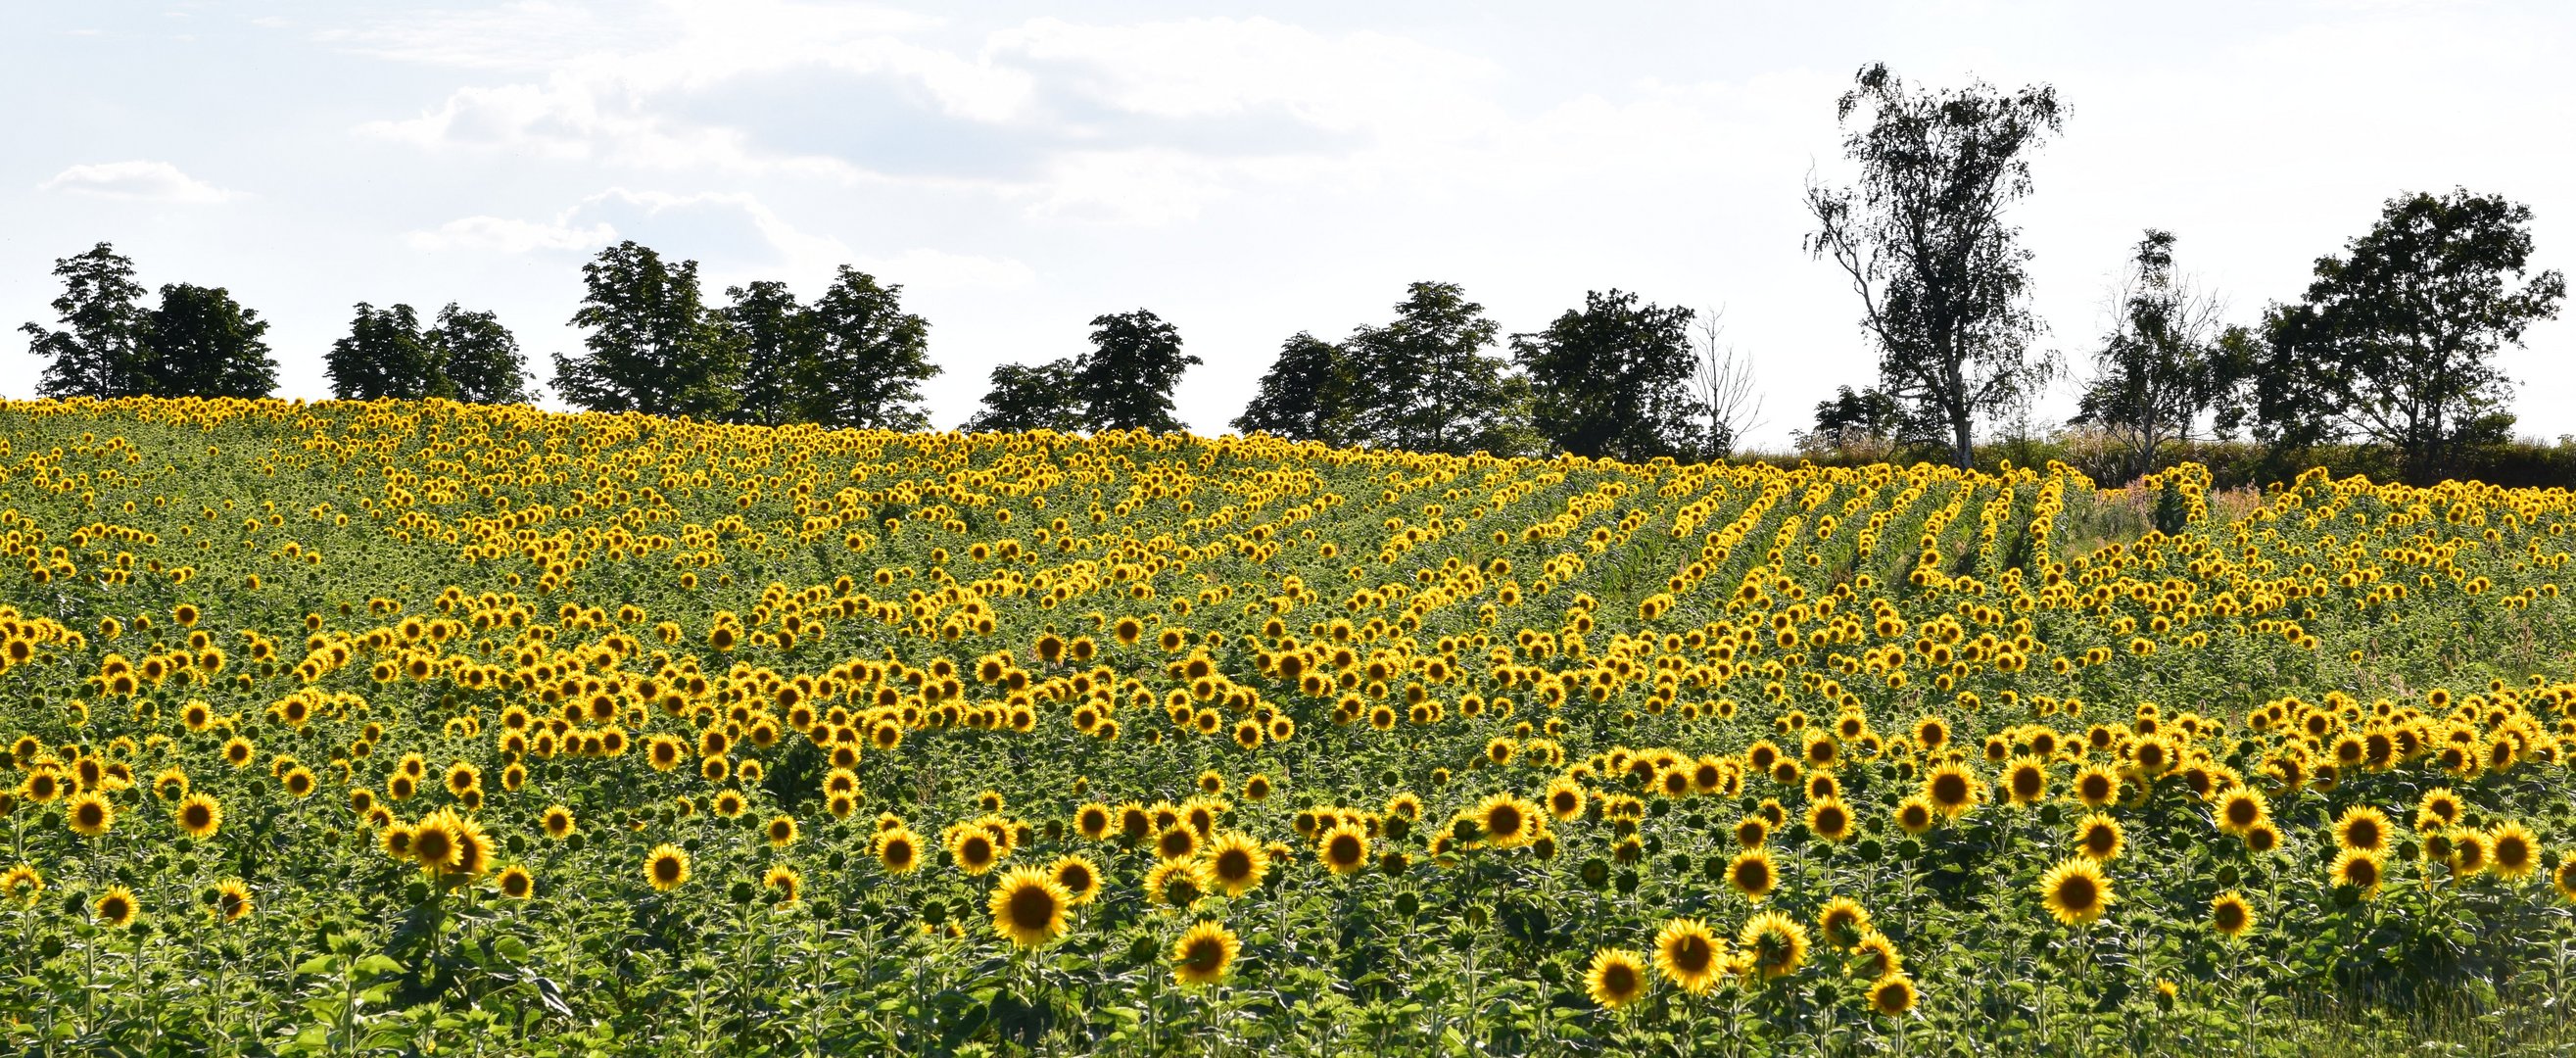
2393	343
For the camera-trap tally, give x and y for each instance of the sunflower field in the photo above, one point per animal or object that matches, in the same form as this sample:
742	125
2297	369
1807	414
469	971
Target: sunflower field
412	728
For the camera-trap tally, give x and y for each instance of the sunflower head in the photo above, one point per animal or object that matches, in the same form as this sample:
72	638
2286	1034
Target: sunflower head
1753	874
115	908
90	815
198	815
1236	863
898	849
2359	870
1616	978
1343	849
232	901
1893	995
2362	827
1028	907
1203	955
2230	915
1689	956
1079	876
1776	943
1842	922
2099	837
666	867
2075	891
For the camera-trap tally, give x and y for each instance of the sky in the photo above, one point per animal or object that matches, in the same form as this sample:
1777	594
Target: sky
1244	171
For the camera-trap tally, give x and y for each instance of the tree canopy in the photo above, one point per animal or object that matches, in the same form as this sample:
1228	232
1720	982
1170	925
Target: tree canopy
654	346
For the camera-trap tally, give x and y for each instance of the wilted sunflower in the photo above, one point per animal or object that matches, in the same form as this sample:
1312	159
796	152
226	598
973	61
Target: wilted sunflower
1776	942
1753	874
2362	827
1616	978
1689	956
1028	907
1343	849
115	908
2075	891
1236	863
198	816
666	867
1204	954
2230	915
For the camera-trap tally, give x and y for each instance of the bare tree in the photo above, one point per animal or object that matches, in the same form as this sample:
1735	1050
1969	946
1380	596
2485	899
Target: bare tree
1723	381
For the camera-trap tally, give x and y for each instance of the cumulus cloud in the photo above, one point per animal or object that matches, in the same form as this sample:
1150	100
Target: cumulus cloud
510	235
142	180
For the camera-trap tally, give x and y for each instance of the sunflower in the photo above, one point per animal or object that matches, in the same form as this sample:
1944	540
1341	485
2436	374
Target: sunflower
2230	915
516	883
783	880
433	843
1078	875
2362	827
1617	977
666	867
781	831
898	849
2563	880
2360	870
2075	891
2097	786
1507	821
2100	838
2438	803
1689	956
1753	874
1830	819
2514	852
2264	837
973	849
2471	853
90	815
232	901
199	816
1565	798
1236	863
1177	843
2026	780
1028	907
2240	810
1204	954
1952	790
1093	820
557	822
1343	849
1915	815
22	883
473	847
1876	956
1842	922
1777	943
115	908
1892	995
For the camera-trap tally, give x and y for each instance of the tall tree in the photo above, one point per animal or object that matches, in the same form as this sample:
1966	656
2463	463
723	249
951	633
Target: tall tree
1305	396
1613	378
1722	379
201	343
478	359
97	352
1425	382
1943	292
1126	380
1030	398
654	346
2395	342
777	347
1851	419
383	356
2162	367
868	358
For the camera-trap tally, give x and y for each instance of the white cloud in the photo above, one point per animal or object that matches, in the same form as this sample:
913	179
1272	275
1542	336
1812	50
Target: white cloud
508	235
1215	67
939	269
145	180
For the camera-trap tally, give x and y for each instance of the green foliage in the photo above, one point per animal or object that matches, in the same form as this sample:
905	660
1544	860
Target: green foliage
1125	382
1613	379
654	346
1306	395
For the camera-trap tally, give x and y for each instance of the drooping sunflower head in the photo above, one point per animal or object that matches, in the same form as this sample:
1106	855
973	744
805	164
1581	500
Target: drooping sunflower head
2075	891
1689	956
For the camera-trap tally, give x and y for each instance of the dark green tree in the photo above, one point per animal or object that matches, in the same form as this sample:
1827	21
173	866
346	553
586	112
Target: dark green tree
1030	398
1425	385
867	358
1943	292
654	346
201	343
478	359
383	356
1852	419
778	349
1614	378
2163	366
97	352
1305	396
1126	380
2395	342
